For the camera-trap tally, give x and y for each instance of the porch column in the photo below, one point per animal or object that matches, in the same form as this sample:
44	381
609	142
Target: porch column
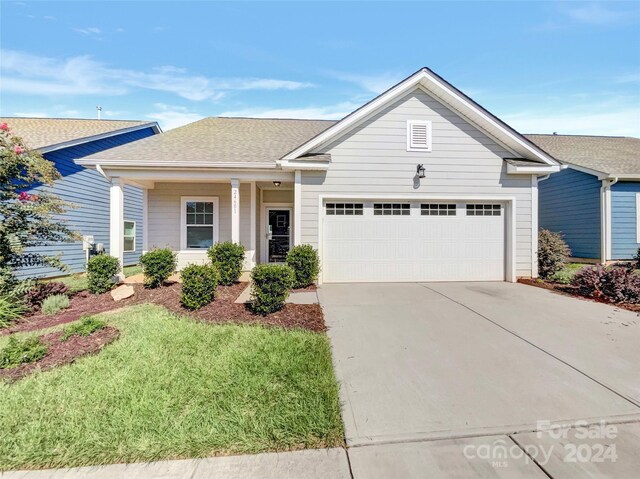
251	260
116	222
235	210
297	208
145	220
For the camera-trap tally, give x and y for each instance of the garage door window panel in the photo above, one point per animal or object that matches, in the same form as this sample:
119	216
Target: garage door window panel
484	210
344	209
438	209
391	209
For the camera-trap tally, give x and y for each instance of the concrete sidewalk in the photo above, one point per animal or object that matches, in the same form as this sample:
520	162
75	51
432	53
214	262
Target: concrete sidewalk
307	464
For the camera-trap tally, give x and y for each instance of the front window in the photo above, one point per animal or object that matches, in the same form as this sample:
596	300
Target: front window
199	223
129	236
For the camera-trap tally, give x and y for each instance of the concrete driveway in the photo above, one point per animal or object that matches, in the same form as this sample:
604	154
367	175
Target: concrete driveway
453	361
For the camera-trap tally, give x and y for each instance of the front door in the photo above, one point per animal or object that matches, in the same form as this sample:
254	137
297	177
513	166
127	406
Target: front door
278	234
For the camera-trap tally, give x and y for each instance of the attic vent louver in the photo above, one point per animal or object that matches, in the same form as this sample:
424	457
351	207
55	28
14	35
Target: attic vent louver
418	135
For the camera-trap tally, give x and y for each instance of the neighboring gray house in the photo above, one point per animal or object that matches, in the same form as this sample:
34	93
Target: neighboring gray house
598	191
62	141
419	184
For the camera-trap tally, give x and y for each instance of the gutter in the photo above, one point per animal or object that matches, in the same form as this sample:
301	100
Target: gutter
605	218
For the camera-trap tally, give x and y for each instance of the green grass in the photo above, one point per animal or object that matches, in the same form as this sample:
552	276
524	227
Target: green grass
566	274
171	387
78	282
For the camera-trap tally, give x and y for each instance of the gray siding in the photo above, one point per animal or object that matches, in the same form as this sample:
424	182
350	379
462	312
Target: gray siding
624	241
372	160
569	203
88	190
164	215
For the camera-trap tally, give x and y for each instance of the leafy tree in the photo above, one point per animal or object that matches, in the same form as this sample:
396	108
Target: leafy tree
27	220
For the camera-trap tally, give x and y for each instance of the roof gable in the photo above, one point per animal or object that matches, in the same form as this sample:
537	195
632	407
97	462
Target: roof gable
50	134
598	155
447	94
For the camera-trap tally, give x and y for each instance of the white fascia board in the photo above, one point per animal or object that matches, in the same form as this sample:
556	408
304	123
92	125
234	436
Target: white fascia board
424	78
197	174
88	139
174	164
293	165
599	174
532	170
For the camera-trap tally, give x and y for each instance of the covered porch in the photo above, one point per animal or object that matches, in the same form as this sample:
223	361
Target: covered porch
190	211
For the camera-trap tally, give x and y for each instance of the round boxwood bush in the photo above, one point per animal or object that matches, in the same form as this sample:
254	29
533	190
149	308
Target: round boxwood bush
270	287
228	258
100	272
304	262
157	265
553	253
199	283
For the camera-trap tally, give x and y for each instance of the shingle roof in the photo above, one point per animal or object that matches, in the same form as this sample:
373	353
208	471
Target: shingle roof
613	155
218	140
47	132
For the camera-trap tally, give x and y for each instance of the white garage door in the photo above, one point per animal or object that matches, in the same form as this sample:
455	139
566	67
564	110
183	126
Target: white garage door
381	241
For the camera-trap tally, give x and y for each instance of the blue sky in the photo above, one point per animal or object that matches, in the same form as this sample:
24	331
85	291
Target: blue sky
570	67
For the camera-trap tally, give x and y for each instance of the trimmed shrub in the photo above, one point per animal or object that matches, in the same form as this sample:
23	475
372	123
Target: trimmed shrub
157	265
228	258
54	304
100	272
304	262
21	351
270	287
84	327
587	281
615	284
636	258
199	283
42	291
11	309
553	253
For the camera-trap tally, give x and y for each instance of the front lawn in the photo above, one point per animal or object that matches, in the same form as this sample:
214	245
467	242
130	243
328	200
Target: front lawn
172	387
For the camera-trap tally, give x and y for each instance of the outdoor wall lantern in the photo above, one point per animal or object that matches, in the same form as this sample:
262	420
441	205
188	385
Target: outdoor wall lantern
277	183
420	171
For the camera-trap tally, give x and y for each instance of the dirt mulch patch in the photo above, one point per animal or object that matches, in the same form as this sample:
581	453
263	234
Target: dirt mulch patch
311	287
568	290
221	310
63	352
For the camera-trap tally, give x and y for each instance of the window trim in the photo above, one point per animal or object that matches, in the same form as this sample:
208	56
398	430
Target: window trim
637	217
125	236
410	145
183	219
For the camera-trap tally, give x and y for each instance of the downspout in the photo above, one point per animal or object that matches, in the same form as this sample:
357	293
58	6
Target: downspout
605	218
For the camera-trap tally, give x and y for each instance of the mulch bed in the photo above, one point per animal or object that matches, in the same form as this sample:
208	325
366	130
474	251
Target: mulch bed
63	352
221	310
568	290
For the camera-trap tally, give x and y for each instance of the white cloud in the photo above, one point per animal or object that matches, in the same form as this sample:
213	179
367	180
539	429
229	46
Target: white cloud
596	14
82	75
171	116
331	112
89	31
376	83
30	114
577	121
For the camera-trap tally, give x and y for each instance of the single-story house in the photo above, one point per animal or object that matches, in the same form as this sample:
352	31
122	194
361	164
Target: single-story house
61	141
595	201
419	184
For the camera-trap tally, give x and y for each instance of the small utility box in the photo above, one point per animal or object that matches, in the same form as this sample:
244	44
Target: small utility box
87	243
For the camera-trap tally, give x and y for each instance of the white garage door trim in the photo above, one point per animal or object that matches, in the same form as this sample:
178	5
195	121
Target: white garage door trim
508	201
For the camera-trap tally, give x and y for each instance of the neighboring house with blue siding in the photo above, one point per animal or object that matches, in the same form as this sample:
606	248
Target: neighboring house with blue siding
62	141
595	200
